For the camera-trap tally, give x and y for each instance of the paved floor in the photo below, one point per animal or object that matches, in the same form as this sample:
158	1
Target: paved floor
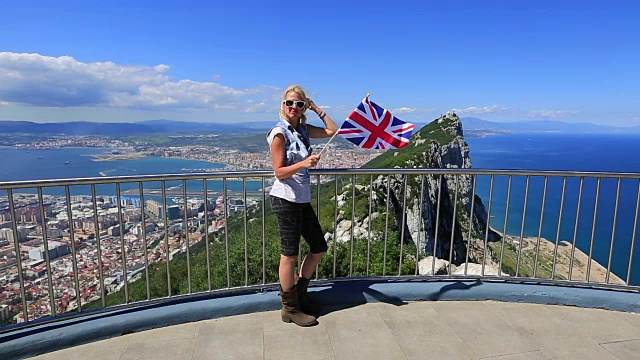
417	330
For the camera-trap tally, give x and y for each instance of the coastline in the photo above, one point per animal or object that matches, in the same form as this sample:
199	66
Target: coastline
116	157
545	253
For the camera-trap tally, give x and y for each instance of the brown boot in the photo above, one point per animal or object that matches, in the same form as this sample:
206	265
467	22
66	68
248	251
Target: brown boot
291	309
305	305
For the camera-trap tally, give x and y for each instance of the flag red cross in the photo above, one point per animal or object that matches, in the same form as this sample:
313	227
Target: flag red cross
377	131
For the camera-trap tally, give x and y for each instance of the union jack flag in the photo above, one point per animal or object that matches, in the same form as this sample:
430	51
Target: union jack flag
370	126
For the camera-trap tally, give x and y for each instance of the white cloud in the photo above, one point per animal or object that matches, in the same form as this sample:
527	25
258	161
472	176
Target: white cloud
473	110
550	113
38	80
499	110
404	110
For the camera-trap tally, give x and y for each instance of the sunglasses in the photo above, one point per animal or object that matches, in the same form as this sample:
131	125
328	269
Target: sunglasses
299	104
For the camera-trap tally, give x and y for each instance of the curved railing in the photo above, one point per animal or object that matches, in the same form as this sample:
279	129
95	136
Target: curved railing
589	219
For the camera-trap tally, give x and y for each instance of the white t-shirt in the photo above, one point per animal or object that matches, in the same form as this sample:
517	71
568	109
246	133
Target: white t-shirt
296	188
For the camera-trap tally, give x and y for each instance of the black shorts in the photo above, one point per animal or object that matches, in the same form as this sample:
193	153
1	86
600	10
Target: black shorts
295	219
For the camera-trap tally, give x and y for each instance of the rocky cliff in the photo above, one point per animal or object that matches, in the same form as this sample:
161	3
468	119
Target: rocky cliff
439	145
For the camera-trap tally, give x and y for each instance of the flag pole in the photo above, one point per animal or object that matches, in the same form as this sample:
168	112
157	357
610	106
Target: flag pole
334	135
327	144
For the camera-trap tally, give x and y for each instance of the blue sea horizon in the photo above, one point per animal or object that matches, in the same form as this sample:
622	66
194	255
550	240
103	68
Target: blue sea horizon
565	152
66	163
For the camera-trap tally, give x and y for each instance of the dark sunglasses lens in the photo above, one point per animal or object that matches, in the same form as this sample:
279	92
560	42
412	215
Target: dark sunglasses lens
289	103
300	104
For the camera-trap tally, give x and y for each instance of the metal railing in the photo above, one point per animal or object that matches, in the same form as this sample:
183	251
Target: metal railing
411	215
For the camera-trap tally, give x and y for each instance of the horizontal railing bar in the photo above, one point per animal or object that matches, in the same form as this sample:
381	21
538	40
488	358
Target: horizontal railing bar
395	171
322	282
4	185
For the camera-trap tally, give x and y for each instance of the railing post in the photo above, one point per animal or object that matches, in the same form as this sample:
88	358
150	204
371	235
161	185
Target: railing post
165	216
544	199
47	259
486	230
96	226
593	229
613	231
555	251
186	233
435	237
524	219
575	228
369	225
123	249
74	261
16	244
353	222
386	228
504	231
206	230
420	223
453	223
145	245
633	237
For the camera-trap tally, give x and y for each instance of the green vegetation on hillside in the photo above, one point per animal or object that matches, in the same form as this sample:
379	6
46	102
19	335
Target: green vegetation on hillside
441	133
236	240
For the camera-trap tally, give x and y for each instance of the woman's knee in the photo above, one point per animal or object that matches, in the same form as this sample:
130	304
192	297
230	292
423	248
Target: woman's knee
288	260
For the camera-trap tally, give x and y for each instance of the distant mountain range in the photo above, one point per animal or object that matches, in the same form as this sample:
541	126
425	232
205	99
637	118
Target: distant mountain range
81	128
471	123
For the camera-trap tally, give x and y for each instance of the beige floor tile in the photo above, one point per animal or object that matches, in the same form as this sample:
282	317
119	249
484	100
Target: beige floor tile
532	355
272	321
630	318
176	349
625	350
234	337
598	324
428	337
99	350
412	309
360	333
553	336
309	343
182	331
481	329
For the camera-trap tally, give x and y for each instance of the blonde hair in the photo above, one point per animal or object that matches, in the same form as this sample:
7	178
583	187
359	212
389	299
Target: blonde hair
300	91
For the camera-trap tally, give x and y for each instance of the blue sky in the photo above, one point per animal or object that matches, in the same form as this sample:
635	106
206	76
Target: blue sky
230	61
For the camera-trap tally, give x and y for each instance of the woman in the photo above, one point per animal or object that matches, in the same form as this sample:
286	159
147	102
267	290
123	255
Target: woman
291	200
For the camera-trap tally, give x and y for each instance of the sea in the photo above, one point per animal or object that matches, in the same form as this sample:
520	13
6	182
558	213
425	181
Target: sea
610	236
68	163
604	238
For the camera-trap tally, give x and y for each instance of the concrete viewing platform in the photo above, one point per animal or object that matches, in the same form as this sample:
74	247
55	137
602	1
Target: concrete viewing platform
362	319
384	330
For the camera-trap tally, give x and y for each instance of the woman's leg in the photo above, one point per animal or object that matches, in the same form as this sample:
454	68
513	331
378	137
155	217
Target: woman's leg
309	264
312	233
286	270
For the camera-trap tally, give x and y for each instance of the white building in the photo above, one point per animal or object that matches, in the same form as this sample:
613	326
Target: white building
4	312
7	234
56	249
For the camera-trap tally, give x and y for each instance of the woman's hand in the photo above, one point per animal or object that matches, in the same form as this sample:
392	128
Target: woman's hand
310	162
313	107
